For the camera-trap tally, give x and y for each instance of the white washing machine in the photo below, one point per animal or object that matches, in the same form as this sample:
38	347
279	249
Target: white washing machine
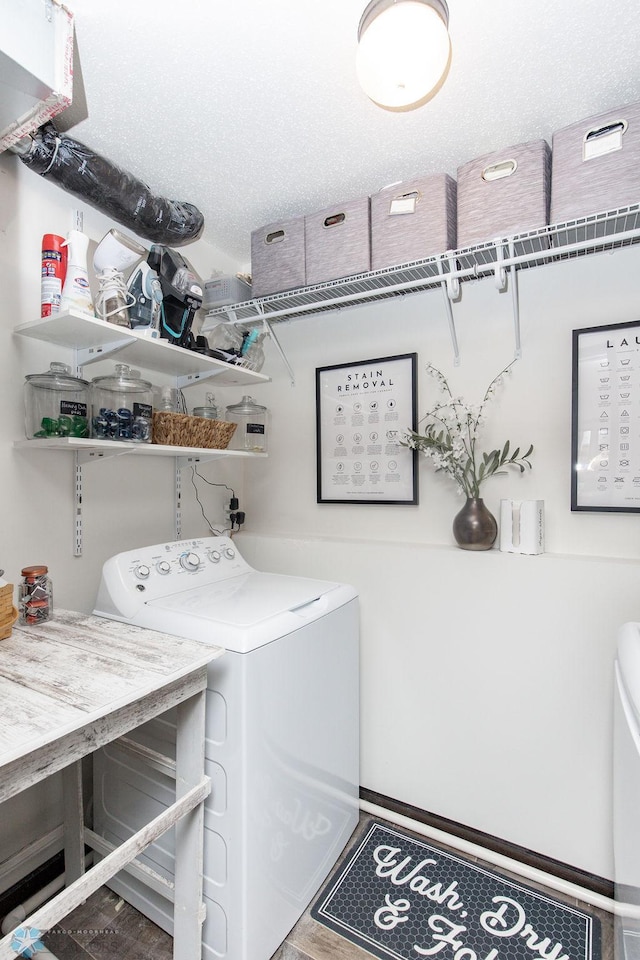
282	745
626	792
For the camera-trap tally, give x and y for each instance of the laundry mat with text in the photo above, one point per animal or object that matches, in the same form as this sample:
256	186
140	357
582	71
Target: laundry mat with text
396	896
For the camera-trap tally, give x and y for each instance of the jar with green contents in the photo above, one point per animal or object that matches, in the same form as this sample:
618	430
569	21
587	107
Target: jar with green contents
56	404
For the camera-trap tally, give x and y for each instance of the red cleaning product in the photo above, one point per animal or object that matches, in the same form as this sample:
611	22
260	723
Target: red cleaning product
54	271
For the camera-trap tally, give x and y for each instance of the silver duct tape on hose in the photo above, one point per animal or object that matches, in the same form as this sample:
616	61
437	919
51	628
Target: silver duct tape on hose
110	189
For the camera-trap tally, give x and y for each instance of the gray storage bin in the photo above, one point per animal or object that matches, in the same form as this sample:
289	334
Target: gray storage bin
596	165
224	290
277	257
504	193
337	241
413	220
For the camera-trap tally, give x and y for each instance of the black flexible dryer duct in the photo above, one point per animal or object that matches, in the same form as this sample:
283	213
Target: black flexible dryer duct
110	189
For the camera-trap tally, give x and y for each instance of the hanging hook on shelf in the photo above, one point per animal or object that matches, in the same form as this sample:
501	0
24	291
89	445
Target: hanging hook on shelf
270	333
450	285
453	280
515	300
500	273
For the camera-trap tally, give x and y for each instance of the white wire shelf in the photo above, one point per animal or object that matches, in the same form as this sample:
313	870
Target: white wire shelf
566	241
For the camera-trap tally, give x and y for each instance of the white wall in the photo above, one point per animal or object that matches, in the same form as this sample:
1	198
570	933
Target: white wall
486	678
126	502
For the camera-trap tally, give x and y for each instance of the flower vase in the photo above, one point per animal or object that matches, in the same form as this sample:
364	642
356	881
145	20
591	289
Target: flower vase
475	527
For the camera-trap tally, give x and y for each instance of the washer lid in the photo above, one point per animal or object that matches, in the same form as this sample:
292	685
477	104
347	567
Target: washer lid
246	600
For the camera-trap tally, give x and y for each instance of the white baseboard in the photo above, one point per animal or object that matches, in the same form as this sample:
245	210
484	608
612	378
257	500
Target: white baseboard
497	859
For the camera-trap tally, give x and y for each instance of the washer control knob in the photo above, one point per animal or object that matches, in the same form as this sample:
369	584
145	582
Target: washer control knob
214	556
229	553
142	571
163	567
190	561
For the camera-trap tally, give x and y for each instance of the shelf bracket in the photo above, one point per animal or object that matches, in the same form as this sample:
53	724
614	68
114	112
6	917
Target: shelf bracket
499	273
85	355
189	378
453	280
178	499
515	300
77	507
450	291
505	277
188	461
92	456
270	333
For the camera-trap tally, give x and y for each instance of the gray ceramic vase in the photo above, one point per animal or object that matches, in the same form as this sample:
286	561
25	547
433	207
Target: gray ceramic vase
474	527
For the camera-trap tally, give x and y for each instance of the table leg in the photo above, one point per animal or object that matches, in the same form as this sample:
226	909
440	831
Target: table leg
73	822
188	907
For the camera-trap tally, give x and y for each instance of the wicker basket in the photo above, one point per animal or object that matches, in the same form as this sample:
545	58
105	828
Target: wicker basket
8	613
180	430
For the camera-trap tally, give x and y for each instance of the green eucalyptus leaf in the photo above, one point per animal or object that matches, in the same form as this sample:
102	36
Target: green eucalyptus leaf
449	436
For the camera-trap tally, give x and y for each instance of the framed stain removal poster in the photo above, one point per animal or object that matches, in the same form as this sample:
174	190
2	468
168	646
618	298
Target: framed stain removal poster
361	408
605	430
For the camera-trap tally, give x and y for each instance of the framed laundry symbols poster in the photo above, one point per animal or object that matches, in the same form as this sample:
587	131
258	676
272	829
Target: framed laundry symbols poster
605	430
361	409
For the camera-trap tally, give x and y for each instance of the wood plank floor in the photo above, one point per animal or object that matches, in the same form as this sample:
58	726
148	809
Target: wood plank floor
107	928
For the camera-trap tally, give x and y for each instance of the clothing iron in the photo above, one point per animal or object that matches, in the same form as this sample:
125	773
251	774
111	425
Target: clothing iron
145	291
113	256
181	295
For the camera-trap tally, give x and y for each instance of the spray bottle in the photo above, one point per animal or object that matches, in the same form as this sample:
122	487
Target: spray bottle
54	271
76	293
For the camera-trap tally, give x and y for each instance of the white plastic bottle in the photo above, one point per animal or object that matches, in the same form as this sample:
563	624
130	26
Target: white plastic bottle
76	293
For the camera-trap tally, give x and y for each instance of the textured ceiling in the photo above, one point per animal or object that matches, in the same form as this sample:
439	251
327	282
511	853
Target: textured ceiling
250	109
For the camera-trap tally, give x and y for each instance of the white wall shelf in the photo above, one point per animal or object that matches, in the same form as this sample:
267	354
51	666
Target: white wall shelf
93	339
91	450
503	258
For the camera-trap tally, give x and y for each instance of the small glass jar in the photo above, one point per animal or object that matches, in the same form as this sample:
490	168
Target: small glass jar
35	595
122	406
251	432
168	400
209	411
56	404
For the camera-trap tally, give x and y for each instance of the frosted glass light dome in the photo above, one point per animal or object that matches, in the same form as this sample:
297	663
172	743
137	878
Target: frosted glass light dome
404	51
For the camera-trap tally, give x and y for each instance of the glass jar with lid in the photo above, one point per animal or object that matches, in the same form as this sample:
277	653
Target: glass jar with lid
251	432
122	406
209	411
56	404
35	595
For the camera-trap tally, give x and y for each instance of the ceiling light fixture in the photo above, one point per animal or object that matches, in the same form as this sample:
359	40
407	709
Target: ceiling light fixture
404	51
